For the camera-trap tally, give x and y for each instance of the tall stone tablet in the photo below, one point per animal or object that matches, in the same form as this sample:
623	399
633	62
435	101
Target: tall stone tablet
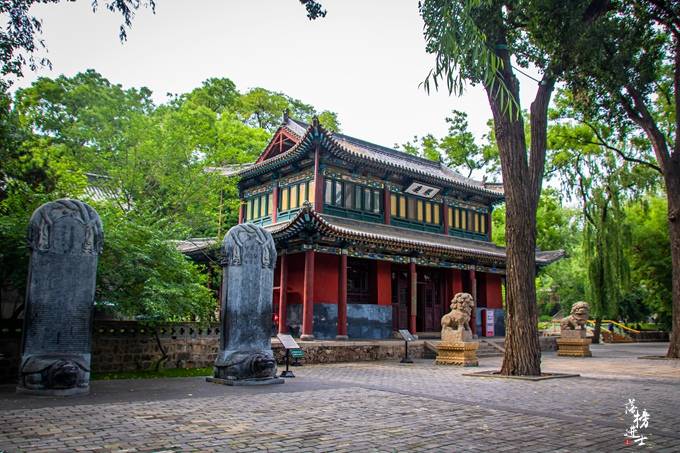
246	356
65	238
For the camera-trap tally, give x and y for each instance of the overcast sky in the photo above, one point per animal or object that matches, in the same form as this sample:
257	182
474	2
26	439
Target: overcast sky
365	60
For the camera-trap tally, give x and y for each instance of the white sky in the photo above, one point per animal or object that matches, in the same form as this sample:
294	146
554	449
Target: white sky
364	61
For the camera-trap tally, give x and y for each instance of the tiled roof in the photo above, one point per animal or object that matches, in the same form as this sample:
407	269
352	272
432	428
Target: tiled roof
198	248
365	152
372	233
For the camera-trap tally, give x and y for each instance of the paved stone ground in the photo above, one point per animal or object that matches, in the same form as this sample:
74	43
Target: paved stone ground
380	406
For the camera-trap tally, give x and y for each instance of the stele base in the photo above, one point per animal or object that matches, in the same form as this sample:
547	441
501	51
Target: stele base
245	382
573	343
461	353
54	392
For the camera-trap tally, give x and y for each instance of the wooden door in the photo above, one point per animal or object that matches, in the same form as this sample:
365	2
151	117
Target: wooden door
429	302
400	299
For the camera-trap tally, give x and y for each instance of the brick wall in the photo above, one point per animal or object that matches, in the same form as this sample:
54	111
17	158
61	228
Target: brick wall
129	346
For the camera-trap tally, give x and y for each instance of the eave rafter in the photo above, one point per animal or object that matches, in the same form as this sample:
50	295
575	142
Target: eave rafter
428	244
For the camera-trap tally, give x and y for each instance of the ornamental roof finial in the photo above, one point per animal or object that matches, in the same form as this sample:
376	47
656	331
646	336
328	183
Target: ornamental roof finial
315	121
286	115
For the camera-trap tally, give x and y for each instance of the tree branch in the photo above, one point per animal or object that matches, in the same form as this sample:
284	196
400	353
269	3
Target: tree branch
582	189
639	113
539	133
602	142
665	15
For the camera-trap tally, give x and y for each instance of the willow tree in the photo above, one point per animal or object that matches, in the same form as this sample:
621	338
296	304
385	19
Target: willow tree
602	166
604	234
624	67
486	42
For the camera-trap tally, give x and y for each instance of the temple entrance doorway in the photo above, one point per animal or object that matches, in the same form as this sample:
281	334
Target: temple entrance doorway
430	300
400	297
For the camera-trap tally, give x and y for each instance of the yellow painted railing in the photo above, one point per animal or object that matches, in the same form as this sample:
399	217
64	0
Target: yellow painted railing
591	323
617	324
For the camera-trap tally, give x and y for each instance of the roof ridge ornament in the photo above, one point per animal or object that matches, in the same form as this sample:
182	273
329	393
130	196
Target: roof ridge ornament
286	116
315	121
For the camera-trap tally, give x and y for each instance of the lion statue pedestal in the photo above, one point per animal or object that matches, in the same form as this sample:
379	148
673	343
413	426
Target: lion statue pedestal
457	347
572	341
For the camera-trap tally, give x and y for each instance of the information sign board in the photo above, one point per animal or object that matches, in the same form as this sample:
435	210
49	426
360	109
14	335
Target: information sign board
287	341
489	323
406	335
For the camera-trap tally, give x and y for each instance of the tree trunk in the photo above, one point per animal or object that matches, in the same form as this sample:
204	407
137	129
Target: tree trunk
522	349
597	330
672	177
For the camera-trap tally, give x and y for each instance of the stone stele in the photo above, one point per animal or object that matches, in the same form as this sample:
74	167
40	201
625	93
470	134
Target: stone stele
246	356
572	341
65	238
457	347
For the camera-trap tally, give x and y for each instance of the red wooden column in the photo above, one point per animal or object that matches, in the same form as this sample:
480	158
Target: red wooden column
473	286
240	212
342	298
318	181
275	202
283	296
413	278
456	282
308	298
387	205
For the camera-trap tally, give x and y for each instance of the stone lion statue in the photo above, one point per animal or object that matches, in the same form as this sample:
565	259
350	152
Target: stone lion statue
456	323
577	318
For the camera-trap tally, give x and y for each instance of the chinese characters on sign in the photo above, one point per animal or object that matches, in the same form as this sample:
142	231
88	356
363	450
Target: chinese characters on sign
640	420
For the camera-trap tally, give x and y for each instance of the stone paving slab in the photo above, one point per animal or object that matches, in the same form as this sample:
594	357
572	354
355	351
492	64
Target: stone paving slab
382	406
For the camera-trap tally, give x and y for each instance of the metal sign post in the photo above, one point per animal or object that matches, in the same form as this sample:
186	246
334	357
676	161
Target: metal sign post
406	335
288	343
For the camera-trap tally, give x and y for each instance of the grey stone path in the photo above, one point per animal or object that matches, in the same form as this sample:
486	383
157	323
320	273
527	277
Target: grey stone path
365	407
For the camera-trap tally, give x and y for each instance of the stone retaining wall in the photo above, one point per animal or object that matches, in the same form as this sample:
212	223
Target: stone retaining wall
129	346
351	351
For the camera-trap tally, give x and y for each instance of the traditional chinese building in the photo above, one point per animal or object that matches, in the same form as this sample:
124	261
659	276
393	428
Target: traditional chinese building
371	239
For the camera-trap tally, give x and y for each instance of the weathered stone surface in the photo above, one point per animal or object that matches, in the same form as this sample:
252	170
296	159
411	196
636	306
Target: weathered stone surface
574	347
572	341
462	353
579	333
245	342
577	318
65	238
457	347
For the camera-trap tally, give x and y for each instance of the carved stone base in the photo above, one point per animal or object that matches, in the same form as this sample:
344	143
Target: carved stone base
573	347
262	381
54	374
54	392
463	353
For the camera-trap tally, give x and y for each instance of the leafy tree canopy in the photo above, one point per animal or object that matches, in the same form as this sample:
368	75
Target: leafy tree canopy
62	137
459	149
